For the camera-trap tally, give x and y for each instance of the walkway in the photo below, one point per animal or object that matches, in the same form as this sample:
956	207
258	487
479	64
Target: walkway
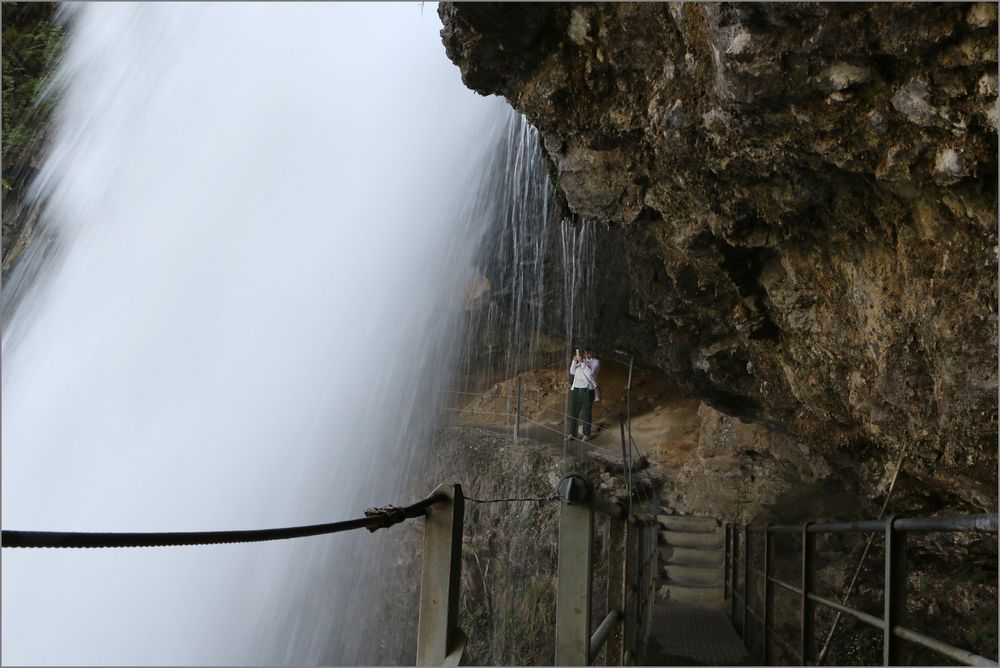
690	626
683	635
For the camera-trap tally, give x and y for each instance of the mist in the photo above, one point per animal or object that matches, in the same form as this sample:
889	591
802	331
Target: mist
251	258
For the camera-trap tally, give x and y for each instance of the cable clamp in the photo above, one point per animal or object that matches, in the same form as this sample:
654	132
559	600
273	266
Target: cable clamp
391	515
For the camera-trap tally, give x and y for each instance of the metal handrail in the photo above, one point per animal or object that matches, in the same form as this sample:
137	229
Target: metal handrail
960	655
789	587
440	641
895	530
630	577
946	523
604	631
457	651
860	615
780	583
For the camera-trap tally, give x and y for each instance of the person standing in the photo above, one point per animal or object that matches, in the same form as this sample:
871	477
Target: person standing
584	371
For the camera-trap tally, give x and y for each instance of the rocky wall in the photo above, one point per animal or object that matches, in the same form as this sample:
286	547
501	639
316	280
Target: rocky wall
806	196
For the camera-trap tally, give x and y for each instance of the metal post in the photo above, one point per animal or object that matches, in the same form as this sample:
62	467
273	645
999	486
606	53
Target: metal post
576	535
617	558
734	585
631	590
625	462
895	592
628	396
648	544
807	635
768	602
640	593
438	636
652	528
746	582
517	411
725	562
567	407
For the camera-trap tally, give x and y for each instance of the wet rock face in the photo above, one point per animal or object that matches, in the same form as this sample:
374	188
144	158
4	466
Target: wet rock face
807	199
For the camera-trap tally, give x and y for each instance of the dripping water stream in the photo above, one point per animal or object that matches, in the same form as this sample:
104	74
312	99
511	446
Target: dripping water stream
536	265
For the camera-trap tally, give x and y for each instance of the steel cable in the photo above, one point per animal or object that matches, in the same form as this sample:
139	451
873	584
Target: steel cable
376	518
550	497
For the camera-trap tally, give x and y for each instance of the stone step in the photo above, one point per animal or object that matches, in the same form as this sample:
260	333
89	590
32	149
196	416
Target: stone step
692	539
688	523
707	597
691	556
697	576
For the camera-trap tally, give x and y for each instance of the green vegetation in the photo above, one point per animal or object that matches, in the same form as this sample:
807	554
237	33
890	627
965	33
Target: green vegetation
31	45
508	589
509	550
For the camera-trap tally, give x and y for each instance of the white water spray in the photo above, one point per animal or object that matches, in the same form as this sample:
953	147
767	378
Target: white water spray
257	210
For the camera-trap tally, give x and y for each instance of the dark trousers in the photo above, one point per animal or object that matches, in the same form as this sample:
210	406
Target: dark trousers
582	400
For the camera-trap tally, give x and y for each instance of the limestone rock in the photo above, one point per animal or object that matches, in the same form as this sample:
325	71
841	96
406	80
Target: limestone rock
806	199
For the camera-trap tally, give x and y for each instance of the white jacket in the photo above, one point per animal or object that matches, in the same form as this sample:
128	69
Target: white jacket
584	373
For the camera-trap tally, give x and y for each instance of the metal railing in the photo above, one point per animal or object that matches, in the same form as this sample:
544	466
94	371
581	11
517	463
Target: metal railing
631	569
439	639
894	530
440	642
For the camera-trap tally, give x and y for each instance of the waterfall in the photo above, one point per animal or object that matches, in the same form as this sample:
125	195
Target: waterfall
257	238
578	248
536	264
515	200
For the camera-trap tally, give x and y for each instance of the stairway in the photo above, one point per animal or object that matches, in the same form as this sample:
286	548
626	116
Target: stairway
690	626
692	552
